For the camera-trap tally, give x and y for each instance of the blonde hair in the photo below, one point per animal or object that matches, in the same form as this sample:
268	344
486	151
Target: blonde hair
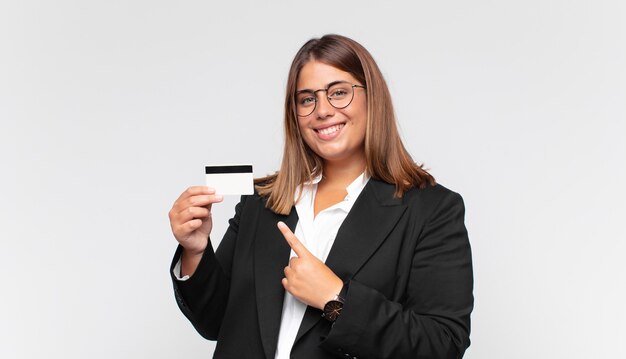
386	157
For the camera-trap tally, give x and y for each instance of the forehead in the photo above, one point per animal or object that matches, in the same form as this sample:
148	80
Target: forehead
316	75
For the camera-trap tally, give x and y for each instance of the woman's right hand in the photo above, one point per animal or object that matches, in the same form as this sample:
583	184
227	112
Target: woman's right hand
190	218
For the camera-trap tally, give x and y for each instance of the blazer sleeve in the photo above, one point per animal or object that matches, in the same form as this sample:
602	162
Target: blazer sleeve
203	297
432	319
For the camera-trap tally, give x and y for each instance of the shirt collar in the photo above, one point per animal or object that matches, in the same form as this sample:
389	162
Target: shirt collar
315	180
354	189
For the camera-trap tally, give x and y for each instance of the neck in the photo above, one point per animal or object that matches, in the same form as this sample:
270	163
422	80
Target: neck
342	173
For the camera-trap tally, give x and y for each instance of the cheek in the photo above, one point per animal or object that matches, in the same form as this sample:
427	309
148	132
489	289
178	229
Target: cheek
302	128
359	119
305	133
361	127
360	112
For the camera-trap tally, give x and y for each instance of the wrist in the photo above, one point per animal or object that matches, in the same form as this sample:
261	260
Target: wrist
189	262
335	290
332	308
194	251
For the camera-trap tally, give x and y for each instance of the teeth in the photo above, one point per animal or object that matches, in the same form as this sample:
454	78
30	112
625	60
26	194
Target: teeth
329	130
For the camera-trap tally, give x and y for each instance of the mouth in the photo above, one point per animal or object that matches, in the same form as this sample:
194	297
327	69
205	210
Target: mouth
330	131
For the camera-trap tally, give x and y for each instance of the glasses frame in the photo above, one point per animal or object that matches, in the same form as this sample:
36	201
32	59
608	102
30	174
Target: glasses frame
327	98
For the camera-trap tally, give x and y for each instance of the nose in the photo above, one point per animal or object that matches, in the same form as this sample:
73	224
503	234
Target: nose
323	109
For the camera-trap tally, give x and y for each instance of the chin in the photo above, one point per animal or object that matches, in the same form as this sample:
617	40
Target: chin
337	156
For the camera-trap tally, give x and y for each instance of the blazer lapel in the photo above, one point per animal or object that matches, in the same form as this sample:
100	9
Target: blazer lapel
271	256
371	219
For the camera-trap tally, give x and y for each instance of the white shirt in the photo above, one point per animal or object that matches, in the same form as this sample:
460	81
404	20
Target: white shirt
317	233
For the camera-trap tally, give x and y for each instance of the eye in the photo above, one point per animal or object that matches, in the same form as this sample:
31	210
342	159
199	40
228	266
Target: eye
305	99
337	92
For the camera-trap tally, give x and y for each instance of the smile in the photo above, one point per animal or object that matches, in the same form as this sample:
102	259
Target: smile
330	130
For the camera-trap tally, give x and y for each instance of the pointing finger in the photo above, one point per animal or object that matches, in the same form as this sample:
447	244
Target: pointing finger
293	241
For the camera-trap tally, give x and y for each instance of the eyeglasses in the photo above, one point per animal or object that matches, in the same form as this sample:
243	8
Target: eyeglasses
339	94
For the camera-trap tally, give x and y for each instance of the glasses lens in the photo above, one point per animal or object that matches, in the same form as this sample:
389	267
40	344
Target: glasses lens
340	95
305	103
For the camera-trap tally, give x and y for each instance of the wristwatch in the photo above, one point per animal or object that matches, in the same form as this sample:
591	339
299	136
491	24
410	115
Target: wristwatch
333	307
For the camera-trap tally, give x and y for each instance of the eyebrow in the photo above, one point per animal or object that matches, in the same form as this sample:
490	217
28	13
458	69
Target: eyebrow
324	88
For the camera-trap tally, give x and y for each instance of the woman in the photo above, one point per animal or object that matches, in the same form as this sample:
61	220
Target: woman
350	250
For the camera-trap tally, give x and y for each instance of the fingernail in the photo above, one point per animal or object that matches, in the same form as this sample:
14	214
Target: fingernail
219	197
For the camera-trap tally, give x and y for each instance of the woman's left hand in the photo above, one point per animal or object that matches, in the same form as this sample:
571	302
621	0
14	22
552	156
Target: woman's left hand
307	278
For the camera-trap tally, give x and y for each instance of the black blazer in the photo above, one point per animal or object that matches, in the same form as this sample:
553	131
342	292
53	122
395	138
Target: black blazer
406	261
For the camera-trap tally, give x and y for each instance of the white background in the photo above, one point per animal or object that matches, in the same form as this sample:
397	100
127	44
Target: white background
109	109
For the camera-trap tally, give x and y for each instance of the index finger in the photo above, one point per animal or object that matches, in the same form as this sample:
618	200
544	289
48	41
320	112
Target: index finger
293	241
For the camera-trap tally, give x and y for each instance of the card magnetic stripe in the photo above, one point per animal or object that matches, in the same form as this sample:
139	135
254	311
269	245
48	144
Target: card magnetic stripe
227	169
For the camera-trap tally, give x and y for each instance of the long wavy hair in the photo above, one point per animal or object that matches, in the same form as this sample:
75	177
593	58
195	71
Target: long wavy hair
386	157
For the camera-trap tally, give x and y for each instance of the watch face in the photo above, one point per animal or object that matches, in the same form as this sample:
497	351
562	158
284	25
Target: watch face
332	309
